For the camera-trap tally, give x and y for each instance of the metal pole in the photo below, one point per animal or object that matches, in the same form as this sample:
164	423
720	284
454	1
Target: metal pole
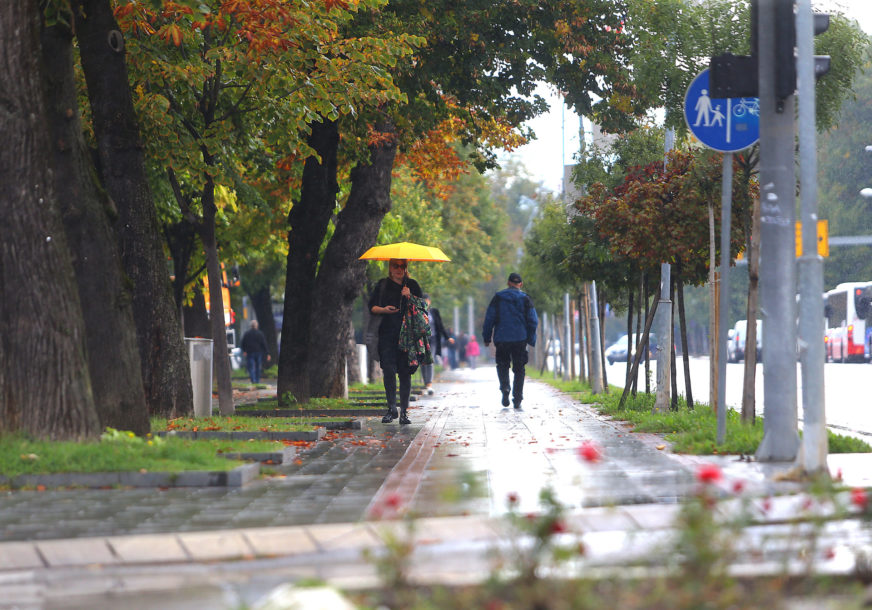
726	218
456	324
777	255
596	360
663	324
469	316
811	286
568	348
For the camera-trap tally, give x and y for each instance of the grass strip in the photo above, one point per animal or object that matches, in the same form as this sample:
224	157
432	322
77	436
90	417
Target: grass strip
314	404
235	423
20	456
691	431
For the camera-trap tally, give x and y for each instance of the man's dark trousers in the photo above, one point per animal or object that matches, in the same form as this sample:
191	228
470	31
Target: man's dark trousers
511	354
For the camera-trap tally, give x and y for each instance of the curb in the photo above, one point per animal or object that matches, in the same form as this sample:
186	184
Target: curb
305	435
273	457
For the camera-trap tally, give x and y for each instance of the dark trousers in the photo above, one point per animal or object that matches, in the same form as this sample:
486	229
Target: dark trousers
254	362
395	363
511	354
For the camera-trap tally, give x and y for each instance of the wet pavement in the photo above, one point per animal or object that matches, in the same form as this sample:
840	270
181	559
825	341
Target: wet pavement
471	453
454	468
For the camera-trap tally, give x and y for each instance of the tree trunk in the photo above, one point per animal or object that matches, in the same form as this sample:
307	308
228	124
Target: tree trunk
673	369
166	373
113	360
627	382
713	337
342	274
308	221
353	357
637	348
261	301
196	317
682	323
181	238
45	388
749	408
644	290
220	357
634	370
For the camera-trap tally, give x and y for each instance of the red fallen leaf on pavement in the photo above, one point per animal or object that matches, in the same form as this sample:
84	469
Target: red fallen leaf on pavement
451	455
40	488
394	500
589	452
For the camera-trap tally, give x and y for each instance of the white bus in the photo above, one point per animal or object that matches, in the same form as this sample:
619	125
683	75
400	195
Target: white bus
846	308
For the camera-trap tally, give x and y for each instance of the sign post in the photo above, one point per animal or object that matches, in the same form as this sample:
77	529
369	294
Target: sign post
726	125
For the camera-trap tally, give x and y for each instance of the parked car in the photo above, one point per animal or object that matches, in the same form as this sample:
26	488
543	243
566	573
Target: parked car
617	351
736	341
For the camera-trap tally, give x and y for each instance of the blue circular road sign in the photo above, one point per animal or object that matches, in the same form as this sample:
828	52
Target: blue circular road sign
725	124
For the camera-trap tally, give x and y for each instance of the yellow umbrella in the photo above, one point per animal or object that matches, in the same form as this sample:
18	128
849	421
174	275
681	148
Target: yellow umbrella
405	250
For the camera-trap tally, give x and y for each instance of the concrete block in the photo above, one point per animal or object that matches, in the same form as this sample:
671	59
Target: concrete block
343	536
152	548
18	556
280	541
215	546
76	552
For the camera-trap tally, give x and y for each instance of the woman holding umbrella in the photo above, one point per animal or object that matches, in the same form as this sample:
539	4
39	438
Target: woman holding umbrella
391	298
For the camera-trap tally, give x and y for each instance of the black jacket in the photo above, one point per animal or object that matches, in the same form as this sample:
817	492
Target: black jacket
437	331
253	342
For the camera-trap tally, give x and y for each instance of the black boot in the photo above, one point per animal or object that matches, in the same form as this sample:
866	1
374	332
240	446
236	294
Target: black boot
390	416
403	418
503	376
518	389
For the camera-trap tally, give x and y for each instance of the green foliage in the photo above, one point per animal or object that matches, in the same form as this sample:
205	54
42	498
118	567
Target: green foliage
466	224
688	431
674	39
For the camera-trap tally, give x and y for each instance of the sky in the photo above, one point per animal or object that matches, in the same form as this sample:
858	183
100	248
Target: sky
558	130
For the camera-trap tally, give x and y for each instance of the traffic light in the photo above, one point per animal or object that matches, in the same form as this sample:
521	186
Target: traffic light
733	76
785	48
736	75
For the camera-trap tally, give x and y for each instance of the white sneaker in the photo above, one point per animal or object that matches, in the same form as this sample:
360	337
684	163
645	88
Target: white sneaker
430	391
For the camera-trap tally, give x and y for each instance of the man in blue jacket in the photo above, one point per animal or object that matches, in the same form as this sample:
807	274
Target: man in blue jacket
511	321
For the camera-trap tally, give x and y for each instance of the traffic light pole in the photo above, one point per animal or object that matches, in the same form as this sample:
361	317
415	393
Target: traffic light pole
777	252
811	284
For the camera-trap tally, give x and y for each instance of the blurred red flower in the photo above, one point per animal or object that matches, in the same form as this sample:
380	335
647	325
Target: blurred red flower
708	473
859	498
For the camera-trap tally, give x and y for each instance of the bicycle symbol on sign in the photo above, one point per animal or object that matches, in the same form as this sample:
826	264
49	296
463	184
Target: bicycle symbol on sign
749	105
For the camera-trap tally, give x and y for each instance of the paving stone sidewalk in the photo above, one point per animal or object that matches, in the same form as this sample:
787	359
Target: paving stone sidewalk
454	467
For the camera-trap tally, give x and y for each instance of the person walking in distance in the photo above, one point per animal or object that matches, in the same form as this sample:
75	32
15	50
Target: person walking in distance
439	333
255	351
511	323
472	351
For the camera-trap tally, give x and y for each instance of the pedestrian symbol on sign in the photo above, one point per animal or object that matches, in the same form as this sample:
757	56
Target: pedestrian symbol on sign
724	124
